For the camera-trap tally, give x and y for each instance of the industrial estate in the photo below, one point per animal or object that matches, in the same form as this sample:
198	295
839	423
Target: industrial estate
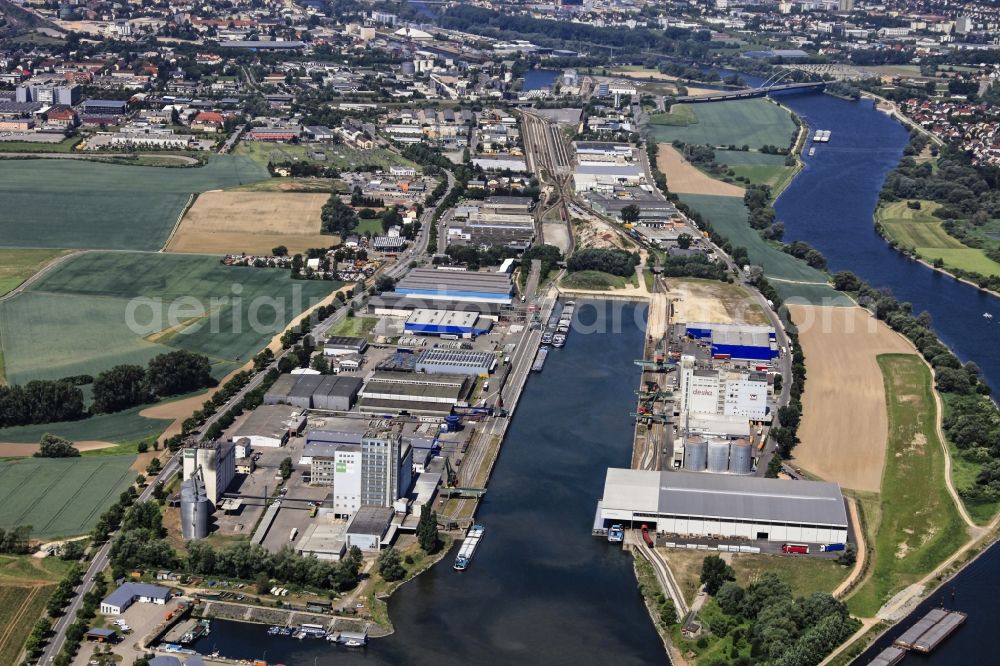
280	284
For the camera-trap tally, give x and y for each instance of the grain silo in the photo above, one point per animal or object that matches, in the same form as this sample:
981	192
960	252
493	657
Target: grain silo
718	456
741	457
195	508
695	454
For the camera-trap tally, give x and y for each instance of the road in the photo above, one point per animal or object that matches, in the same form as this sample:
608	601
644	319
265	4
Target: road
100	559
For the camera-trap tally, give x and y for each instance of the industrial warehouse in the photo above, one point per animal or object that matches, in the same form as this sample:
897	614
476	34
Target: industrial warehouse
707	505
736	341
431	285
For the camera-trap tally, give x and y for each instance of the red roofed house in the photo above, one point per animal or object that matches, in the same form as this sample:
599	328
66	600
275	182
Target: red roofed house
208	121
62	116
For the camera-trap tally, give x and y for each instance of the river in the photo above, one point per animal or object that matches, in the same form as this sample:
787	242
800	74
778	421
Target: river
829	205
540	588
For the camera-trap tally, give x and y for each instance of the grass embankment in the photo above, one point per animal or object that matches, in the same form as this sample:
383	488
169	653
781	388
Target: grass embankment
64	146
914	524
414	561
918	231
16	266
758	168
355	327
25	586
596	280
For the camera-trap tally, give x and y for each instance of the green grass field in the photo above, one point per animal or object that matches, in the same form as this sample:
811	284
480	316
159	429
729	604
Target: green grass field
804	574
64	146
758	168
595	280
126	426
61	497
921	231
338	156
373	226
754	122
680	115
794	279
100	309
918	525
16	266
20	608
80	204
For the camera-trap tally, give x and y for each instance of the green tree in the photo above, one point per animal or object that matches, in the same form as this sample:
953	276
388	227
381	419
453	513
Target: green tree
684	241
178	372
389	565
121	387
262	583
280	251
427	532
285	467
630	214
71	551
51	446
668	613
715	572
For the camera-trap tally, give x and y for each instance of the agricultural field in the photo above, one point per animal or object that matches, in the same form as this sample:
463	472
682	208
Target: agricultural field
125	426
752	122
680	115
254	223
55	203
64	146
338	156
20	607
792	278
841	346
61	496
16	266
915	525
758	168
172	301
709	300
922	232
685	178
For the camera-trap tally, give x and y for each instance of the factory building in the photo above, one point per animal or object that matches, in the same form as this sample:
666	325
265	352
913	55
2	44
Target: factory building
342	345
585	149
432	285
419	394
702	505
653	213
456	362
127	594
368	527
376	471
215	462
447	322
271	425
330	392
505	221
391	304
736	341
607	178
716	391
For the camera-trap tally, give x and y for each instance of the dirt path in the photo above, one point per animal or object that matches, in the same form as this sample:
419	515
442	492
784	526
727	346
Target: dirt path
862	553
684	178
25	449
844	422
44	270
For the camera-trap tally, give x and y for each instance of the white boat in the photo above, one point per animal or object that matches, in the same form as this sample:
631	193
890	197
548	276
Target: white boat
987	315
812	151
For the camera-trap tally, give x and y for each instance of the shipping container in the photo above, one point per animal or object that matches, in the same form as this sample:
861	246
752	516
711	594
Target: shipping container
797	548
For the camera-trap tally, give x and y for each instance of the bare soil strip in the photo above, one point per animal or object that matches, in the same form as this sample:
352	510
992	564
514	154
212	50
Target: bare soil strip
684	178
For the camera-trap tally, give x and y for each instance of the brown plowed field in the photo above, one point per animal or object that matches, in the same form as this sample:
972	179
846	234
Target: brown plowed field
251	222
684	178
844	424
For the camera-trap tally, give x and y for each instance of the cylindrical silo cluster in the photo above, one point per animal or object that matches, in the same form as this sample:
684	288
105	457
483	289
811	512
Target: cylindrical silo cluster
718	456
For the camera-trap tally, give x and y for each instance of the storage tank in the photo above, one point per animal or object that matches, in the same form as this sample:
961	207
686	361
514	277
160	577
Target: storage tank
195	509
741	457
695	454
718	456
408	68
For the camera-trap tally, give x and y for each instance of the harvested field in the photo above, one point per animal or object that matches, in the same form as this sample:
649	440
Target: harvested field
844	424
708	300
61	496
685	178
13	450
251	222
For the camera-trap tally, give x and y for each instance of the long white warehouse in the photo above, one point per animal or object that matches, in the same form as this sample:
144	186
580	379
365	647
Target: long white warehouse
728	506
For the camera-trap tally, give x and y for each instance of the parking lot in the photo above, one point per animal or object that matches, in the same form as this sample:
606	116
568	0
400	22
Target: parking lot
141	618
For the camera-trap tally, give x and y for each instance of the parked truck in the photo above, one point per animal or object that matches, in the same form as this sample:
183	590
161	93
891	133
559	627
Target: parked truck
826	548
795	548
294	533
646	537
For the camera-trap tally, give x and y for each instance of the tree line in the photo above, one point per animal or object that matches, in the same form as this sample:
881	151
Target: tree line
121	387
606	260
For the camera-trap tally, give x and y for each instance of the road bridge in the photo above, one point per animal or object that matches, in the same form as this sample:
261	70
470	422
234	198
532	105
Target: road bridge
747	93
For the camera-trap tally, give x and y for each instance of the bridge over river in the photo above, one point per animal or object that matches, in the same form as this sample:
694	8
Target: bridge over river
747	93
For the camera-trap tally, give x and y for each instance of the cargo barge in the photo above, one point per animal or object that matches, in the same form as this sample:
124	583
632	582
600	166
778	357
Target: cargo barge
468	548
539	363
930	630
